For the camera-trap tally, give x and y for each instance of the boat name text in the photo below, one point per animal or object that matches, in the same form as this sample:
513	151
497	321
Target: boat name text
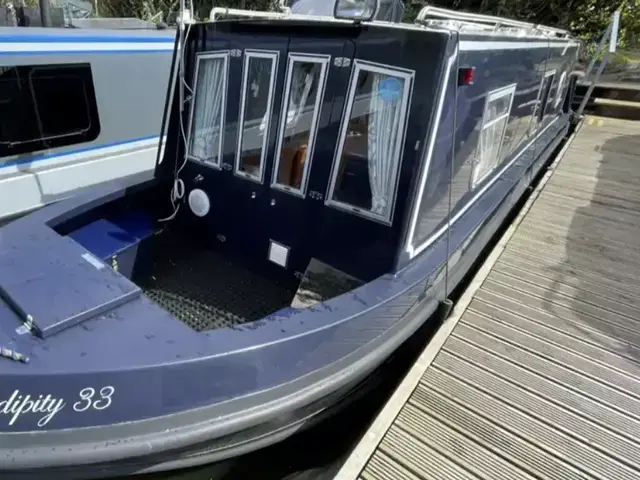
48	406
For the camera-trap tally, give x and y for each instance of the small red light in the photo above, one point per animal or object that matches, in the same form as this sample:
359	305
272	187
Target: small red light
466	75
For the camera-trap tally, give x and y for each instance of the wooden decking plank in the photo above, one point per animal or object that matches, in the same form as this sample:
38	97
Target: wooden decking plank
538	376
481	386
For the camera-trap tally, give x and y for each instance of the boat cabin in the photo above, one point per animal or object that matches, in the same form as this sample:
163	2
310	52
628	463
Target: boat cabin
306	139
326	183
300	140
309	155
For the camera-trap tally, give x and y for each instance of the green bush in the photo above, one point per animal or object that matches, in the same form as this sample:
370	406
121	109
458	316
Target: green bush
618	62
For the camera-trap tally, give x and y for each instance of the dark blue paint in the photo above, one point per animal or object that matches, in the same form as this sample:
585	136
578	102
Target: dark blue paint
359	246
158	366
39	157
291	220
494	70
103	238
69	288
116	241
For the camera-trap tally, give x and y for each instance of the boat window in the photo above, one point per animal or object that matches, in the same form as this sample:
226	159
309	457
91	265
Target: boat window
365	173
306	79
494	123
208	108
46	106
255	112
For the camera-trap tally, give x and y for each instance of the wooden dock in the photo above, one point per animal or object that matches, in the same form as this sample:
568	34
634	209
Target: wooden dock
536	375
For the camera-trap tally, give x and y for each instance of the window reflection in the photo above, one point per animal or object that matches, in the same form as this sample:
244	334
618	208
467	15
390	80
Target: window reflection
258	93
369	161
301	109
489	153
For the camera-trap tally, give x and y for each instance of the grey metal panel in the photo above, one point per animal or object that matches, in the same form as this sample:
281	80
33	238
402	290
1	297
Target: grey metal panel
130	91
540	377
60	34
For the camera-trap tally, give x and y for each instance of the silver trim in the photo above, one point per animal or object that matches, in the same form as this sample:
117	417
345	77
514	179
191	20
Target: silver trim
487	44
409	248
272	55
408	76
323	60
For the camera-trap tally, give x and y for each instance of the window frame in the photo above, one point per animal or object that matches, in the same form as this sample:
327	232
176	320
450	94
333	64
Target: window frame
492	96
224	54
76	137
41	68
408	76
274	56
293	57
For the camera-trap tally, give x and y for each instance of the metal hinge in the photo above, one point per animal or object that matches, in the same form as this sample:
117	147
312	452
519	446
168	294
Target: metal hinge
235	52
342	62
315	195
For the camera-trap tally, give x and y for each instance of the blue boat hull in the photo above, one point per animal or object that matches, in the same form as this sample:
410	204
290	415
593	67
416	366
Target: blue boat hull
117	384
239	426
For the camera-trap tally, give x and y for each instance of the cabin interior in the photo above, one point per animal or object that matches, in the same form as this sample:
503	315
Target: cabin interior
297	163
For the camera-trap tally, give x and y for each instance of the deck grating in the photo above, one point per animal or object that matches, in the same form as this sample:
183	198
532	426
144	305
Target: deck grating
539	376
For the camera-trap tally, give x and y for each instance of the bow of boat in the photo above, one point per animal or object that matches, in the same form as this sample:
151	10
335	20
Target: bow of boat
100	372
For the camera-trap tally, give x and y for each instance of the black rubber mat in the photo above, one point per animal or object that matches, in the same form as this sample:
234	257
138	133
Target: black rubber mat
204	289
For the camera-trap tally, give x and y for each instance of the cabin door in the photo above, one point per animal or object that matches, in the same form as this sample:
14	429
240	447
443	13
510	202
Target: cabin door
252	117
206	134
315	81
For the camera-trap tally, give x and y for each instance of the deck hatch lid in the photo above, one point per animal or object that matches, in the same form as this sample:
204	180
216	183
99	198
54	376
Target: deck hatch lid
53	284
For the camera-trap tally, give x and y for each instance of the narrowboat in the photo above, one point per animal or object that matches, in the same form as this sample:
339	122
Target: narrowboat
326	183
78	107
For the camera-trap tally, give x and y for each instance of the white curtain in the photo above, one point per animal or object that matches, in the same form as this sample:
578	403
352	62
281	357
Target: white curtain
206	130
384	126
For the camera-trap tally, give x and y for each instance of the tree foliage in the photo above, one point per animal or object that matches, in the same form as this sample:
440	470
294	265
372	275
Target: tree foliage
586	18
147	9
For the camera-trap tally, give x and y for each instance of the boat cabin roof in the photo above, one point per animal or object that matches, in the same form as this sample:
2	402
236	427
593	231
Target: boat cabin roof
94	35
341	159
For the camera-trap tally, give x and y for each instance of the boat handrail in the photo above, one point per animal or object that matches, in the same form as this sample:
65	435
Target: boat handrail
482	21
469	27
217	12
462	25
444	18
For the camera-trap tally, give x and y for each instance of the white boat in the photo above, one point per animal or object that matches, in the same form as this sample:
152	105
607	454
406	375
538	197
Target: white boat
78	107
